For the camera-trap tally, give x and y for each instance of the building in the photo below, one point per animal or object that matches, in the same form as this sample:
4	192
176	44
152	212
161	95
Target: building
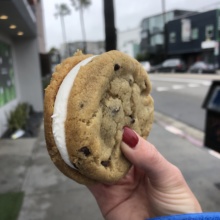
92	47
153	34
95	47
20	74
36	6
195	37
128	41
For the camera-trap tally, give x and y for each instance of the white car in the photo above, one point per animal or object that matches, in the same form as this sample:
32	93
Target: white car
146	65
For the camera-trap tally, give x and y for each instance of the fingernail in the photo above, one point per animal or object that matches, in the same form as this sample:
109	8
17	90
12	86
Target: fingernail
130	137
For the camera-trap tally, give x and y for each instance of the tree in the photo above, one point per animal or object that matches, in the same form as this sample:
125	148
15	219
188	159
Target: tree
110	30
61	11
53	50
80	5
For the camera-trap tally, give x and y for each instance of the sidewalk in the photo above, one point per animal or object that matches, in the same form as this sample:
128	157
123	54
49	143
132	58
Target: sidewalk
50	195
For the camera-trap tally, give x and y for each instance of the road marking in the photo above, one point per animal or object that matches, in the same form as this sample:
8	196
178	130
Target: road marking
192	85
174	130
193	140
206	83
214	153
181	133
178	86
161	89
192	135
178	80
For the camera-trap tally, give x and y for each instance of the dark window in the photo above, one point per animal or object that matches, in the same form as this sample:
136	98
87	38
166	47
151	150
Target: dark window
209	31
195	33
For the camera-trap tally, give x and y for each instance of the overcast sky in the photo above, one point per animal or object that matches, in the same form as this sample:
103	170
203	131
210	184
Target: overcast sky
128	15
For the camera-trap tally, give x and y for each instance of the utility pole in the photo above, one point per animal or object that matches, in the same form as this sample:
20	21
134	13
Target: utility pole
164	27
110	30
163	11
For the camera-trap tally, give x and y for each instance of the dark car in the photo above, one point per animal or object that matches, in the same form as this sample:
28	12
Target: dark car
202	67
172	65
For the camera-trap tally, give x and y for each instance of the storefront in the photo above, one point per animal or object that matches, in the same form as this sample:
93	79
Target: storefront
7	81
195	38
20	76
210	51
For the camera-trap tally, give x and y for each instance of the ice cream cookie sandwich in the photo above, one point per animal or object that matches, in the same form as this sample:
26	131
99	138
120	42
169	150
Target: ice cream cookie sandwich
87	104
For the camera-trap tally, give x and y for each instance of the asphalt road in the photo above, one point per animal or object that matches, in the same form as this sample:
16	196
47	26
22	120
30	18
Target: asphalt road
181	97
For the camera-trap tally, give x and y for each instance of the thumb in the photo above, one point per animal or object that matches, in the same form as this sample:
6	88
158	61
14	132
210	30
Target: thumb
145	156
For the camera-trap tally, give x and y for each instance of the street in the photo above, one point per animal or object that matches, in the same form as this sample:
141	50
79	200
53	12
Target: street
181	96
48	194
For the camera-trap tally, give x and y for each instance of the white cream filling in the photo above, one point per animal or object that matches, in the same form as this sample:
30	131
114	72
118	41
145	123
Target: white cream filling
60	110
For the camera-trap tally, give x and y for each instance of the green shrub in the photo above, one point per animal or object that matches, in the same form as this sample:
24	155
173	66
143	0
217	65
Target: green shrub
17	118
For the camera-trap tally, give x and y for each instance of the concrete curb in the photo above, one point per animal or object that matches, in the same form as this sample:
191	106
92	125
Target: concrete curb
195	136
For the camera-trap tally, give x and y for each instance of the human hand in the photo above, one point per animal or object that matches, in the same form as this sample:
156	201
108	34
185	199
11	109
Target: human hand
153	187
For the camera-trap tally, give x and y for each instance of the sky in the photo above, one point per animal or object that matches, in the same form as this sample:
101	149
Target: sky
128	15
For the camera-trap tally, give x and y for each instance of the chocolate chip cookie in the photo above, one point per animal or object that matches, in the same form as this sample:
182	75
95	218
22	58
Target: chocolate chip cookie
87	103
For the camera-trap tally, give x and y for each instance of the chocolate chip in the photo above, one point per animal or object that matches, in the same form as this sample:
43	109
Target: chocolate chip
81	105
116	67
75	166
85	151
115	110
131	82
132	119
105	163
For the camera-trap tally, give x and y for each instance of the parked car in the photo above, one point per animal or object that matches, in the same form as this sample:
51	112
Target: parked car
172	65
155	69
146	65
202	67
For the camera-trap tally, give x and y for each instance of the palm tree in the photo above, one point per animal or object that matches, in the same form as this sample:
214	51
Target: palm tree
61	11
80	5
110	30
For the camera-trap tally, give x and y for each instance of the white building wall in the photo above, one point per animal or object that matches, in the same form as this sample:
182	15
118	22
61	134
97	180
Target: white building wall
127	39
29	73
40	27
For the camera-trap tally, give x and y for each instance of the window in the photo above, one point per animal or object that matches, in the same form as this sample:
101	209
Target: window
169	16
195	33
186	30
156	24
144	24
214	103
209	31
172	37
144	34
7	86
157	39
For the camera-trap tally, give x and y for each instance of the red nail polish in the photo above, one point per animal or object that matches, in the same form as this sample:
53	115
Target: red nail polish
130	137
